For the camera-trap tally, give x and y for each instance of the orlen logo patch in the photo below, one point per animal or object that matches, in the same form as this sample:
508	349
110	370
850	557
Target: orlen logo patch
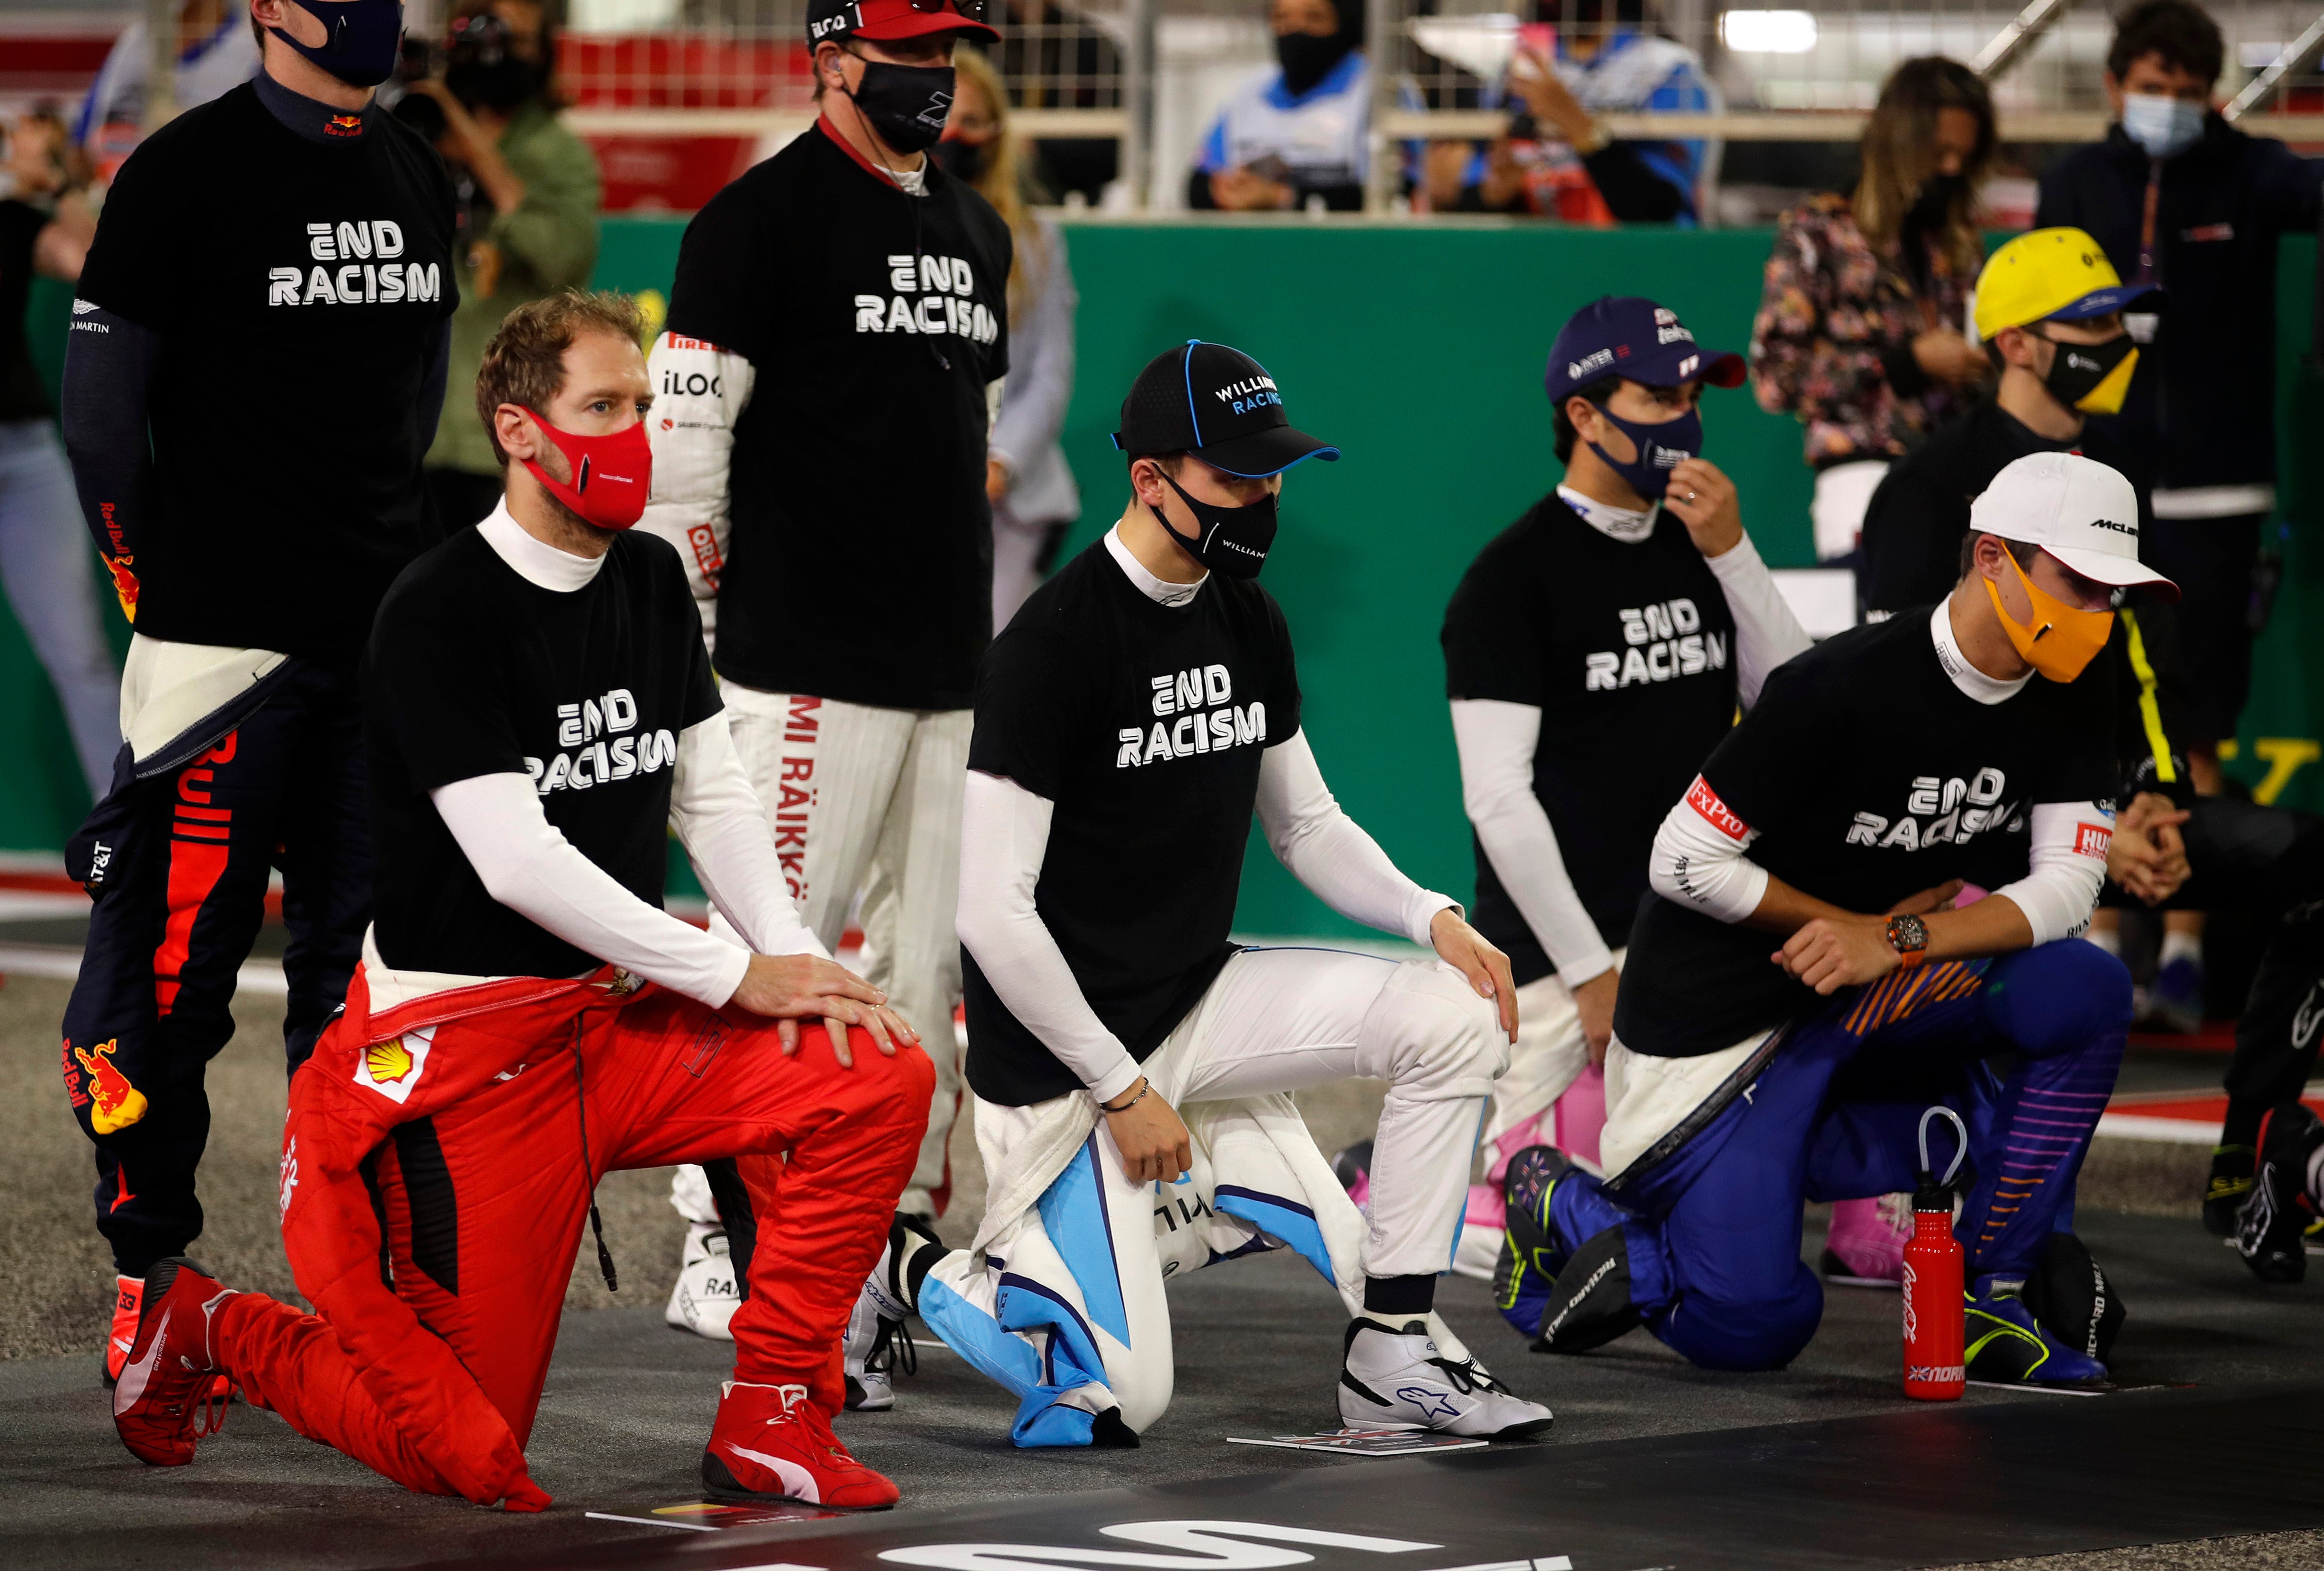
2092	840
393	1067
1704	801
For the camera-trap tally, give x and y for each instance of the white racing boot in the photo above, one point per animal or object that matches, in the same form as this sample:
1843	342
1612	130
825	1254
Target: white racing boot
707	1292
1403	1377
878	1344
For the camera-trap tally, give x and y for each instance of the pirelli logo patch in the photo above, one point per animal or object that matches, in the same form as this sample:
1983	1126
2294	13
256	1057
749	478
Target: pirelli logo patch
1704	801
2092	840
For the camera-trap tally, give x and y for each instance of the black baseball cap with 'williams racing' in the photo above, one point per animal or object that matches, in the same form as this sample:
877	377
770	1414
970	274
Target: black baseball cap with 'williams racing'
1219	404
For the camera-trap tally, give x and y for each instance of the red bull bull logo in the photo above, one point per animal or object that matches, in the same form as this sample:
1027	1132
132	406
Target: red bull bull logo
116	1104
344	126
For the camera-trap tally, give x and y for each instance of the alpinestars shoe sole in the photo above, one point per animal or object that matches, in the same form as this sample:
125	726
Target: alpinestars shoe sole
1590	1306
1397	1379
2272	1227
1531	1256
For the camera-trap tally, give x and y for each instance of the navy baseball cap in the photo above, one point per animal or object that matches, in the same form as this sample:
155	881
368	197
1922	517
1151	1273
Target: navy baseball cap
1634	338
1219	404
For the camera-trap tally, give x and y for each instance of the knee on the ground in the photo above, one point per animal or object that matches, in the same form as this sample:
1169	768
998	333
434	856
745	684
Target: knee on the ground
1747	1337
2058	998
1430	1036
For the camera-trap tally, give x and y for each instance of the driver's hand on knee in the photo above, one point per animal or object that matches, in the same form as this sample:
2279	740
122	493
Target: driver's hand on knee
1151	1138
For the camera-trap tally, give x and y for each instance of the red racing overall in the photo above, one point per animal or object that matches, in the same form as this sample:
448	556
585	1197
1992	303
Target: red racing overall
438	1164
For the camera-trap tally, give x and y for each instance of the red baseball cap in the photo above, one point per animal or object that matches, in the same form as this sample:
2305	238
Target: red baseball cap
881	20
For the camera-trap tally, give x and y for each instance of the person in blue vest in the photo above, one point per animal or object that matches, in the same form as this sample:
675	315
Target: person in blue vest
1296	134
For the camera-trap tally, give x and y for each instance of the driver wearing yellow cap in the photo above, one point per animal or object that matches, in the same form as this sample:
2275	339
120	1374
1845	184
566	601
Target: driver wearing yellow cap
2049	312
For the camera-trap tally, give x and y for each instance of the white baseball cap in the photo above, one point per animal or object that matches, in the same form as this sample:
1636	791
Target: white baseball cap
2081	512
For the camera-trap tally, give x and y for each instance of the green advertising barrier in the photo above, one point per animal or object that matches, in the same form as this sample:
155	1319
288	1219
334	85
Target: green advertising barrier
1418	351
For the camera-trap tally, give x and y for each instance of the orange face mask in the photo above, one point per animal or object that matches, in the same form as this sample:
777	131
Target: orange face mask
2061	639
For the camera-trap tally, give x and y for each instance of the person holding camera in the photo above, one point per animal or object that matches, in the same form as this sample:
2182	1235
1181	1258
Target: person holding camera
531	199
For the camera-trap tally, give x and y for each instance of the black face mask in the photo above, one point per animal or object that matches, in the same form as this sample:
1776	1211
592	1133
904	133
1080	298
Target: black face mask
906	105
1234	540
1307	59
964	161
2076	369
1934	201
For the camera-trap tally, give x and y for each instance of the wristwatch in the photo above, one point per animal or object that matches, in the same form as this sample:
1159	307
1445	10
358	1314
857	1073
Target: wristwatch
1909	936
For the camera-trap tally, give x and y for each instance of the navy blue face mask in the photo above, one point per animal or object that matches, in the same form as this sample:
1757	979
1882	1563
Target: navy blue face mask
1661	449
366	37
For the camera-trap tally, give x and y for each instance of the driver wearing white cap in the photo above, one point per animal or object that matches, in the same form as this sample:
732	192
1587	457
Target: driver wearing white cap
1800	983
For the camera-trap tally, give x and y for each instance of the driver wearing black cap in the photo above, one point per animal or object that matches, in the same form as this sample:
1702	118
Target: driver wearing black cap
1129	720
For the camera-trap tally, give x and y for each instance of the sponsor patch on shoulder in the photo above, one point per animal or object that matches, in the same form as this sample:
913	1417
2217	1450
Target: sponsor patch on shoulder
2092	840
1704	801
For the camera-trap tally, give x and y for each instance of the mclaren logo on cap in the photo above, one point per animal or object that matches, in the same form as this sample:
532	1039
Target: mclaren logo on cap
2129	528
847	21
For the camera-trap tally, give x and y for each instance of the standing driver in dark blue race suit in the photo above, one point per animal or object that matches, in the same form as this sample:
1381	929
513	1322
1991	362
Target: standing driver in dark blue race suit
1834	826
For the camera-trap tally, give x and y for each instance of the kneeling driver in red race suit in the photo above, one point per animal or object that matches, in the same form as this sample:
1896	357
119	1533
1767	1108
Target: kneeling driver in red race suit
527	1017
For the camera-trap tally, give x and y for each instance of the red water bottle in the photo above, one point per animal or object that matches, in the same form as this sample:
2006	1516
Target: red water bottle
1933	1370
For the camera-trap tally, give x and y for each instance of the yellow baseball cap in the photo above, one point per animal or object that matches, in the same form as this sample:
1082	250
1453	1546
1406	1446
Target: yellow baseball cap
2051	275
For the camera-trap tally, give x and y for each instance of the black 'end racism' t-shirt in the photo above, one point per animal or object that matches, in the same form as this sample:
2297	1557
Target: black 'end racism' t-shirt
1869	777
1144	725
1628	651
472	670
859	458
299	290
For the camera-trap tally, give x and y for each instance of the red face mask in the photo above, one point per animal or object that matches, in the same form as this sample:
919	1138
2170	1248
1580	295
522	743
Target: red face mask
610	475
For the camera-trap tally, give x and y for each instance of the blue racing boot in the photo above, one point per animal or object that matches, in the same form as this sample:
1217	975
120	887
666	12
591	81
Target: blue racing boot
2006	1345
1532	1254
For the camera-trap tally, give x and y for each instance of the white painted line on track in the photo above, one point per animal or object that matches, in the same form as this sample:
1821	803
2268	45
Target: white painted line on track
651	1522
58	963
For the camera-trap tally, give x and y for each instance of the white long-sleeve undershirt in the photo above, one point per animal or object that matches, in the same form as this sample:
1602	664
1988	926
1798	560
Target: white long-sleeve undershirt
1005	837
1496	742
1766	630
525	862
1700	865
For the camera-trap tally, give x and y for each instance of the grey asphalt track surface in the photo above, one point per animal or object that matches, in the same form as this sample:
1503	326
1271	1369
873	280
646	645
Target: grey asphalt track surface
629	1400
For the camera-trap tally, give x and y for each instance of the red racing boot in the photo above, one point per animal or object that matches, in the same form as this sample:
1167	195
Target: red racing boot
169	1393
128	1295
771	1443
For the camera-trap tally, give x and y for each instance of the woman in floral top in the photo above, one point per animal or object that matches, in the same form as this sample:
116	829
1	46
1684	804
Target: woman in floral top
1858	331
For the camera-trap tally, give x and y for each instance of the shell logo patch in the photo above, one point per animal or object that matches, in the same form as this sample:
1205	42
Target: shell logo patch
392	1068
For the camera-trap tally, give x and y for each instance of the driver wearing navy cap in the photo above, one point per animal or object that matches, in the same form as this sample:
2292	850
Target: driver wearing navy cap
1595	653
1131	718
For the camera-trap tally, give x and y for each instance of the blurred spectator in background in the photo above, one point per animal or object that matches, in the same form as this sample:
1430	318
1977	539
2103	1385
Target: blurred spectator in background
1557	161
1061	59
1860	317
45	227
2181	200
1034	498
217	50
1298	133
531	194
